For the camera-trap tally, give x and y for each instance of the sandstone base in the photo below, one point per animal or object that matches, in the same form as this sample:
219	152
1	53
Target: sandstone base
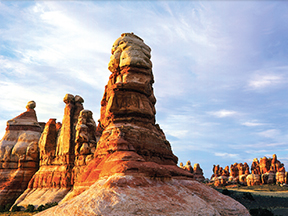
136	195
41	196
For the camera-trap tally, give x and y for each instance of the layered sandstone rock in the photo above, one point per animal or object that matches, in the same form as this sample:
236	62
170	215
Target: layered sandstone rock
253	179
134	170
196	170
132	195
267	171
19	154
64	149
188	167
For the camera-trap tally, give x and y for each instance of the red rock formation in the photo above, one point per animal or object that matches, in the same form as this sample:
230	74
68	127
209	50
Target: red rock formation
253	179
246	169
234	173
134	169
19	154
264	165
226	171
55	179
268	171
198	172
255	167
188	167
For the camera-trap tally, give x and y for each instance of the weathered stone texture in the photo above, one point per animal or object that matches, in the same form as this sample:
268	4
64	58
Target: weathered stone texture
19	154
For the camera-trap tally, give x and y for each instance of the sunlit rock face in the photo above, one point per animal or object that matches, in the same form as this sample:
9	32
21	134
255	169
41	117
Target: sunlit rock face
64	150
196	170
267	171
19	154
134	170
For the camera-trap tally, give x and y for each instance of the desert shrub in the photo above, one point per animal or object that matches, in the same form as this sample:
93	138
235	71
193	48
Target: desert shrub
260	212
7	207
49	205
46	206
30	208
40	208
248	196
15	208
226	192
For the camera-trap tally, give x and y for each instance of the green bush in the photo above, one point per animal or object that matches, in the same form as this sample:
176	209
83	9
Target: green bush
40	208
30	208
49	205
15	208
46	206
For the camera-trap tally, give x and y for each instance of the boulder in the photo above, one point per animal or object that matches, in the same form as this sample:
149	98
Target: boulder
19	154
280	177
253	179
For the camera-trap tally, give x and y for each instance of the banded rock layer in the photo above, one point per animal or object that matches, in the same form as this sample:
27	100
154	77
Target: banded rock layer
64	149
134	170
19	154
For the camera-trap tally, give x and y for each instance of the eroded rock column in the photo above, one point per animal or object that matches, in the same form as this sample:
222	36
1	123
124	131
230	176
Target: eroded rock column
19	154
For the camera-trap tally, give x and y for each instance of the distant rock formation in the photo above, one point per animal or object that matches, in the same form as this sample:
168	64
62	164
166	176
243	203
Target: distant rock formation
196	170
134	170
19	154
267	171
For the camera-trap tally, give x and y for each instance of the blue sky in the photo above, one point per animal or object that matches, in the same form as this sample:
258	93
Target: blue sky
220	68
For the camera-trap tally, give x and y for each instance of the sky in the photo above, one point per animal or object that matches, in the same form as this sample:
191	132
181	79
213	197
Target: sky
220	68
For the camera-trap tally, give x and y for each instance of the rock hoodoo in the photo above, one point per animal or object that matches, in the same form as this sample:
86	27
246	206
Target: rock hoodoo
267	171
64	149
133	170
196	170
19	154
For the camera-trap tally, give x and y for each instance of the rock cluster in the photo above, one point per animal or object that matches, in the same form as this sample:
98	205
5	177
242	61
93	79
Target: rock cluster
19	154
64	149
133	170
196	170
267	171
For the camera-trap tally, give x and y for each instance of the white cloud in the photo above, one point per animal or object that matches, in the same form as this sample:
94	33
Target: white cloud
260	82
224	154
224	113
271	133
253	123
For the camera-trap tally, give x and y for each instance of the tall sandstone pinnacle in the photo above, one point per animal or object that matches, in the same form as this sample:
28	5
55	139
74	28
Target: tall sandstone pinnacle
19	154
134	170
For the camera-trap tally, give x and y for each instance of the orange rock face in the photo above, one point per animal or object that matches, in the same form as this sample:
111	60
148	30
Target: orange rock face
128	119
19	154
198	172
